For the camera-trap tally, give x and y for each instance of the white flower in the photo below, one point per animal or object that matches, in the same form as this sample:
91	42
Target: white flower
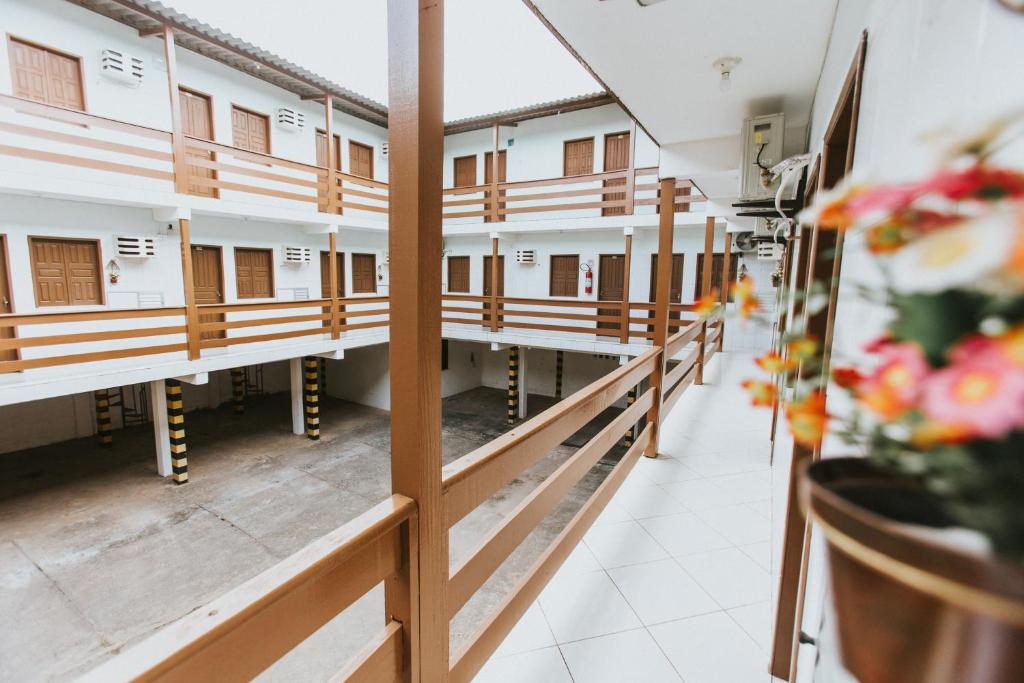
966	254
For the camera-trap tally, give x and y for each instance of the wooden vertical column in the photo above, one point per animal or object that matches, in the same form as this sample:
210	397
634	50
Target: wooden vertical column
192	333
726	271
631	174
624	321
705	289
335	322
416	139
494	282
513	385
177	136
332	161
492	205
663	292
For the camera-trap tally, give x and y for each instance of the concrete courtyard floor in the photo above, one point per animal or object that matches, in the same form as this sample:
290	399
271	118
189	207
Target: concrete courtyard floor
97	552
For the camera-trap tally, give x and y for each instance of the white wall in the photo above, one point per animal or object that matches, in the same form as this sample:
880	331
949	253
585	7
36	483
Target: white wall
578	370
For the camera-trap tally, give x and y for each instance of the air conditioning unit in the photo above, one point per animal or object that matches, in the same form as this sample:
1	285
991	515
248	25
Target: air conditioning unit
290	120
384	150
762	149
122	67
299	255
526	256
135	246
769	251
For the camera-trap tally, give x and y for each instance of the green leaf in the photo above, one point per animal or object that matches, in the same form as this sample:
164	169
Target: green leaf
937	321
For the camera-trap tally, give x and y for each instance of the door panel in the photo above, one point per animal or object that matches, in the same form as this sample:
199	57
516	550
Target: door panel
675	292
364	274
610	285
5	301
207	284
66	272
464	171
458	274
49	273
717	271
616	158
250	131
565	276
254	273
325	274
578	157
46	76
83	272
502	176
360	159
197	121
487	285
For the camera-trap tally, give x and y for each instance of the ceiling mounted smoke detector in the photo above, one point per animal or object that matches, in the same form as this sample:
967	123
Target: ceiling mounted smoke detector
725	66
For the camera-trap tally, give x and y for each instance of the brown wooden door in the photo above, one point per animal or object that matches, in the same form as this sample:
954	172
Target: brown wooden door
578	157
616	158
250	131
5	301
717	271
458	274
364	274
197	121
611	273
325	274
502	177
208	284
45	75
360	159
565	276
487	284
464	171
254	273
66	272
321	160
675	292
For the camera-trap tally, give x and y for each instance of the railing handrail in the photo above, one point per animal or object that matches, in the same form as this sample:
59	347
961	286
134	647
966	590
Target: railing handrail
77	116
257	157
45	317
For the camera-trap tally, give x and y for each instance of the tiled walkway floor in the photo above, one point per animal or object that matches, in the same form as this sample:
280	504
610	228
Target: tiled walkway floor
673	580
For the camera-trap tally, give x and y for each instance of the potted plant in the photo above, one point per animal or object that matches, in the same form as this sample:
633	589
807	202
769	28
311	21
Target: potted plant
925	530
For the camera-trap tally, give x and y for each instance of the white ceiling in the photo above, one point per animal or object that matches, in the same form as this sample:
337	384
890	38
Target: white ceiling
658	59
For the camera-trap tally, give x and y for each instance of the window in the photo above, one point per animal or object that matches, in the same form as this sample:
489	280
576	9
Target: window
321	149
360	159
464	171
66	272
565	275
250	131
458	274
44	75
578	157
364	274
254	273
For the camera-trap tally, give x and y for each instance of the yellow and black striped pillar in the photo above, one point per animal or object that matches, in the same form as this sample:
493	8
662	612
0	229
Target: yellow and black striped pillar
176	431
513	384
238	390
559	360
311	396
629	437
104	430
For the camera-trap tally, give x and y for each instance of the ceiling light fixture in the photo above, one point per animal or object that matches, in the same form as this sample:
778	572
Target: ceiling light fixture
724	66
647	3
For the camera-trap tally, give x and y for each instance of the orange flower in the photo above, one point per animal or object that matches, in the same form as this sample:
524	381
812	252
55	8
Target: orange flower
847	378
743	295
761	393
1012	344
931	433
808	419
707	305
773	363
802	348
892	389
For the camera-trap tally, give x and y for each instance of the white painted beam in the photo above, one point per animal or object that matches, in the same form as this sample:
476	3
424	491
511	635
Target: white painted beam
522	382
161	433
195	379
298	417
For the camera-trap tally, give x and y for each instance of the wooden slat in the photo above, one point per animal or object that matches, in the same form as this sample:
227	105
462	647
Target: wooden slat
363	207
469	189
241	633
499	543
592	317
266	305
359	180
70	160
195	160
486	640
81	337
270	336
86	142
381	661
464	202
465	214
569	303
363	314
557	328
616	203
585	192
465	297
81	118
363	326
82	316
681	338
15	365
350	192
254	157
675	374
250	189
671	399
217	325
479	474
561	180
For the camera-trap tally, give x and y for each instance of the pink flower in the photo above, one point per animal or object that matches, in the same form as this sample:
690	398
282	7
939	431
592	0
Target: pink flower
976	182
882	199
981	396
893	388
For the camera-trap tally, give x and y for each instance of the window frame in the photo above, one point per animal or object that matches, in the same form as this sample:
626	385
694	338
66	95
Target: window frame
99	271
455	168
266	117
12	38
273	275
469	269
593	150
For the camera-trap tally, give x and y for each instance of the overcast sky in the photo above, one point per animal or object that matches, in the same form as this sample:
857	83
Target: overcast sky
497	54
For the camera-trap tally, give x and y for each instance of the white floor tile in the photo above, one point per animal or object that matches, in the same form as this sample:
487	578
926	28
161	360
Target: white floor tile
613	513
649	500
664	469
589	605
738	523
756	620
661	591
747	486
700	494
538	666
729	576
762	507
684	534
760	553
616	545
531	633
712	649
580	561
713	465
629	656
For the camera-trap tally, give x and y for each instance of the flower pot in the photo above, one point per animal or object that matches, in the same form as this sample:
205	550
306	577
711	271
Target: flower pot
909	608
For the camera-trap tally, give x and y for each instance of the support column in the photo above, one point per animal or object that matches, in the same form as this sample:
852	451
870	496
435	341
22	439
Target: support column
513	384
192	333
311	396
726	271
238	390
492	205
335	323
332	161
624	323
416	139
705	290
161	429
631	171
177	134
524	393
627	439
104	429
666	216
176	431
495	267
298	413
559	362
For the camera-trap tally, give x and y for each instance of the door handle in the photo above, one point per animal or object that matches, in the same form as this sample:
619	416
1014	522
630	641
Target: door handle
6	302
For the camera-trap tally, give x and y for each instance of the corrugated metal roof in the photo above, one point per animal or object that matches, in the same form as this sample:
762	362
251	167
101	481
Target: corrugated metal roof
508	116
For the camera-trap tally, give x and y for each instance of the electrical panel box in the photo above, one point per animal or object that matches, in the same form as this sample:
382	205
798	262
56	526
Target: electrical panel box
526	256
290	120
300	255
762	148
135	246
122	67
769	251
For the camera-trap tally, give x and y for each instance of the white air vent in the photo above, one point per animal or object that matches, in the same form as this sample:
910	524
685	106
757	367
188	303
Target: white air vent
290	120
297	254
384	150
528	256
135	246
769	251
387	257
122	67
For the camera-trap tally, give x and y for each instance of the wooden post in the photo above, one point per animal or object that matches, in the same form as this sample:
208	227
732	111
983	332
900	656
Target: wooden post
726	271
492	206
494	282
631	172
332	164
662	294
624	323
705	289
415	132
332	244
177	136
192	334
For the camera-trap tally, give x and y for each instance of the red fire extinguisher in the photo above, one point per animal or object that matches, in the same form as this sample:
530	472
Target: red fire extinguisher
588	279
